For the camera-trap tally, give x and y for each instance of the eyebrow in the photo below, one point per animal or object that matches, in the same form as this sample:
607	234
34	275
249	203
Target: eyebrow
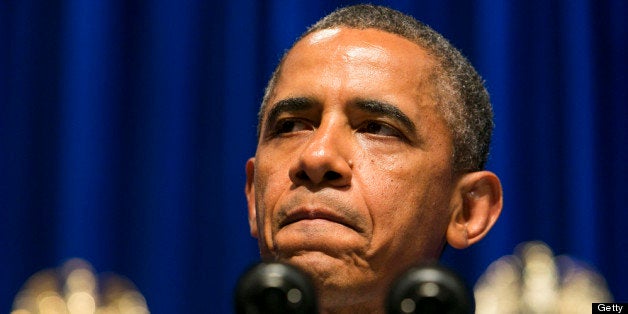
387	110
295	104
377	107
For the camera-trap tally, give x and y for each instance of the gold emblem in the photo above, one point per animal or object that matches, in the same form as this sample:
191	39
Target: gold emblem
74	288
533	280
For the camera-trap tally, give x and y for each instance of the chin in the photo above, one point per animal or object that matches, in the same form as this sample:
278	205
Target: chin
317	264
339	280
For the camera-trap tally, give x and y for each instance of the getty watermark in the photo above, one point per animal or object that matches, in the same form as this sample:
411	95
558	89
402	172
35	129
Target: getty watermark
609	307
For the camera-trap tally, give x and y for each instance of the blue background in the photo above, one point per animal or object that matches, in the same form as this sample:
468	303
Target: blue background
125	126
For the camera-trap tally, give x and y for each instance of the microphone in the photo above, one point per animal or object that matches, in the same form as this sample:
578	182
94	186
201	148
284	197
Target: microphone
429	289
271	288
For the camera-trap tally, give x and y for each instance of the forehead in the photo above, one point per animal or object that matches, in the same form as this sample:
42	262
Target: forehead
366	55
367	58
370	44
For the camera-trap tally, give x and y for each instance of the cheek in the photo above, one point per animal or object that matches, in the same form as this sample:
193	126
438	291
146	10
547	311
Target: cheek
404	192
409	213
386	174
385	185
270	184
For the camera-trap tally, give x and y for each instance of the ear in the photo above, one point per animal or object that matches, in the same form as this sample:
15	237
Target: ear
249	190
476	205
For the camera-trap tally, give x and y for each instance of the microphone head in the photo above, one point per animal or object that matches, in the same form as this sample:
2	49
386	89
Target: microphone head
275	288
430	289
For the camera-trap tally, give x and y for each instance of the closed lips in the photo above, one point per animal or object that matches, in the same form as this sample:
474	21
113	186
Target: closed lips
317	213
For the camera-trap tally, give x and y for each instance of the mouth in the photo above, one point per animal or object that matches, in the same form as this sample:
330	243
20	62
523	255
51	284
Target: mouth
311	214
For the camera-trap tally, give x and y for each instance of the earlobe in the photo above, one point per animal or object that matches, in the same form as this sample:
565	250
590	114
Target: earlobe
249	190
477	203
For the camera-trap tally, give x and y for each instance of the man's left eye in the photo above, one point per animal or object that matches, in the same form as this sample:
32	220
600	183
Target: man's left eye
379	128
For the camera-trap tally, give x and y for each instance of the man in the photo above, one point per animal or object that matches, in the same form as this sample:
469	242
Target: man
373	135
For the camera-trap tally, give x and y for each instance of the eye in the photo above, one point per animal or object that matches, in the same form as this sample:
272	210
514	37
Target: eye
290	126
379	128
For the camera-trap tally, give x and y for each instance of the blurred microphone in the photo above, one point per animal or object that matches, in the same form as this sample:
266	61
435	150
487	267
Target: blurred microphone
429	289
275	288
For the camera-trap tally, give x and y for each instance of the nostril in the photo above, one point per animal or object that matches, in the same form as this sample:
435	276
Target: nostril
301	175
332	175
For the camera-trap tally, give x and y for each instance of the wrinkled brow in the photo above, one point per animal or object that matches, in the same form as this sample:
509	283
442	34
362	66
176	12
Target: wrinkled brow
376	107
384	109
288	105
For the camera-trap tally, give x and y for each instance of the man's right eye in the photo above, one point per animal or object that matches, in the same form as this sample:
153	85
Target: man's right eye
291	125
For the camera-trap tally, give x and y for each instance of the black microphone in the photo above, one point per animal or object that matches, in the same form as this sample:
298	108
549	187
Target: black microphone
271	288
430	289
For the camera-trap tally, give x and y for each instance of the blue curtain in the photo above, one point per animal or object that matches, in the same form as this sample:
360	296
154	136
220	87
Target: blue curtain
125	126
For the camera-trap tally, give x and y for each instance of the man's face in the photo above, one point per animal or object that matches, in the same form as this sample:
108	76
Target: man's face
352	178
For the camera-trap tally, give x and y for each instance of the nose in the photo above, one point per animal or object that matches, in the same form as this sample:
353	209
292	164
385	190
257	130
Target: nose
323	160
